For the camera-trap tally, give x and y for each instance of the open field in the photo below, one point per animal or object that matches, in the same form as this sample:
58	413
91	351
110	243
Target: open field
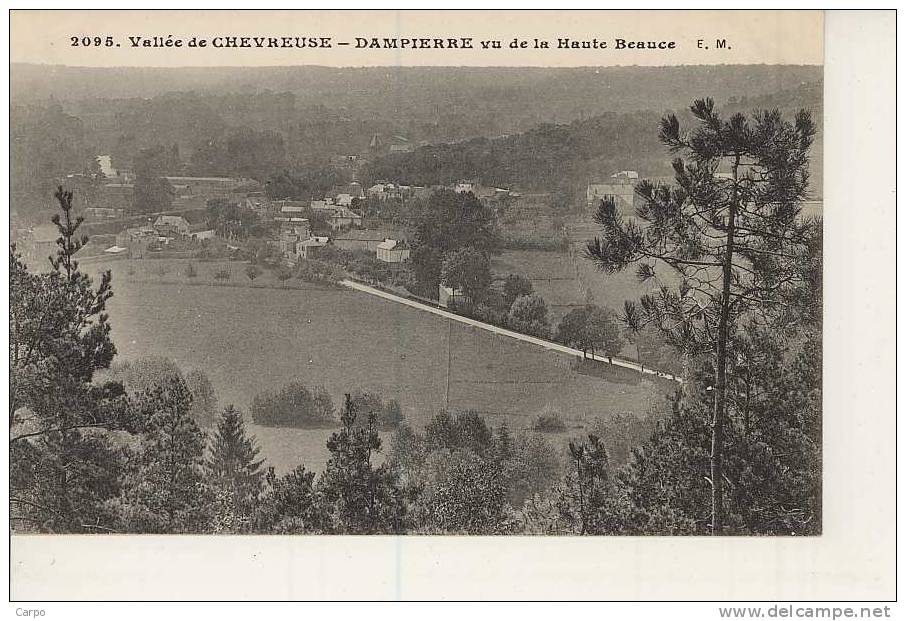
249	339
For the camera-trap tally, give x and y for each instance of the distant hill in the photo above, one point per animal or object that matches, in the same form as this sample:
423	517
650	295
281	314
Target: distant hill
566	156
509	126
460	101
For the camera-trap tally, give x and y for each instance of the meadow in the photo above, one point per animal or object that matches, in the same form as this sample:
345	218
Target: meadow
250	339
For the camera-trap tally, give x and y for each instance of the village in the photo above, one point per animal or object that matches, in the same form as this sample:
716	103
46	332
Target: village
347	218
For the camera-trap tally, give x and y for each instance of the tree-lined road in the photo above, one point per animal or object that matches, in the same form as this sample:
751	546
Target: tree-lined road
549	345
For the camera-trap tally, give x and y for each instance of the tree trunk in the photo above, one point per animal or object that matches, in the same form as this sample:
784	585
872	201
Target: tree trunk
720	399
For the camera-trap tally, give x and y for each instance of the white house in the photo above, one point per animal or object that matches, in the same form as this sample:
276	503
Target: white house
105	162
309	248
463	187
393	251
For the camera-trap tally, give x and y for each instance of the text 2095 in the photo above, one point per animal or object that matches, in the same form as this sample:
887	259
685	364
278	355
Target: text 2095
92	41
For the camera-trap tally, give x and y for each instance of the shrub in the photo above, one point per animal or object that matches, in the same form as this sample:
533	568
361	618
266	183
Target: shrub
294	405
252	271
533	468
529	316
388	414
621	433
465	430
464	493
311	270
515	285
549	421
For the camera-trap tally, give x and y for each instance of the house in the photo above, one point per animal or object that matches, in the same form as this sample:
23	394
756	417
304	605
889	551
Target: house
383	190
105	163
343	199
292	231
464	186
171	226
393	251
361	239
337	216
309	248
447	296
343	217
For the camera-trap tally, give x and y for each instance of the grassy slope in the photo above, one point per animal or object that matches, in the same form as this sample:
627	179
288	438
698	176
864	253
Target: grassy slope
251	339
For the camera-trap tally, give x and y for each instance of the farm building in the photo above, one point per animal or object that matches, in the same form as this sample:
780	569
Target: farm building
393	251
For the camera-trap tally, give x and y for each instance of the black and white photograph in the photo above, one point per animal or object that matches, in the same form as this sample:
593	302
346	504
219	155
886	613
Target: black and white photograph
387	298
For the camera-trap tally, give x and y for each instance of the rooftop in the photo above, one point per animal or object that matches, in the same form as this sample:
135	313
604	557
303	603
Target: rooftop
392	244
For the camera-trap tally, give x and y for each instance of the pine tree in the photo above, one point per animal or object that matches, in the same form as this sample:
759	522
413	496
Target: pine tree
233	470
362	499
59	337
729	229
587	484
164	490
292	504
